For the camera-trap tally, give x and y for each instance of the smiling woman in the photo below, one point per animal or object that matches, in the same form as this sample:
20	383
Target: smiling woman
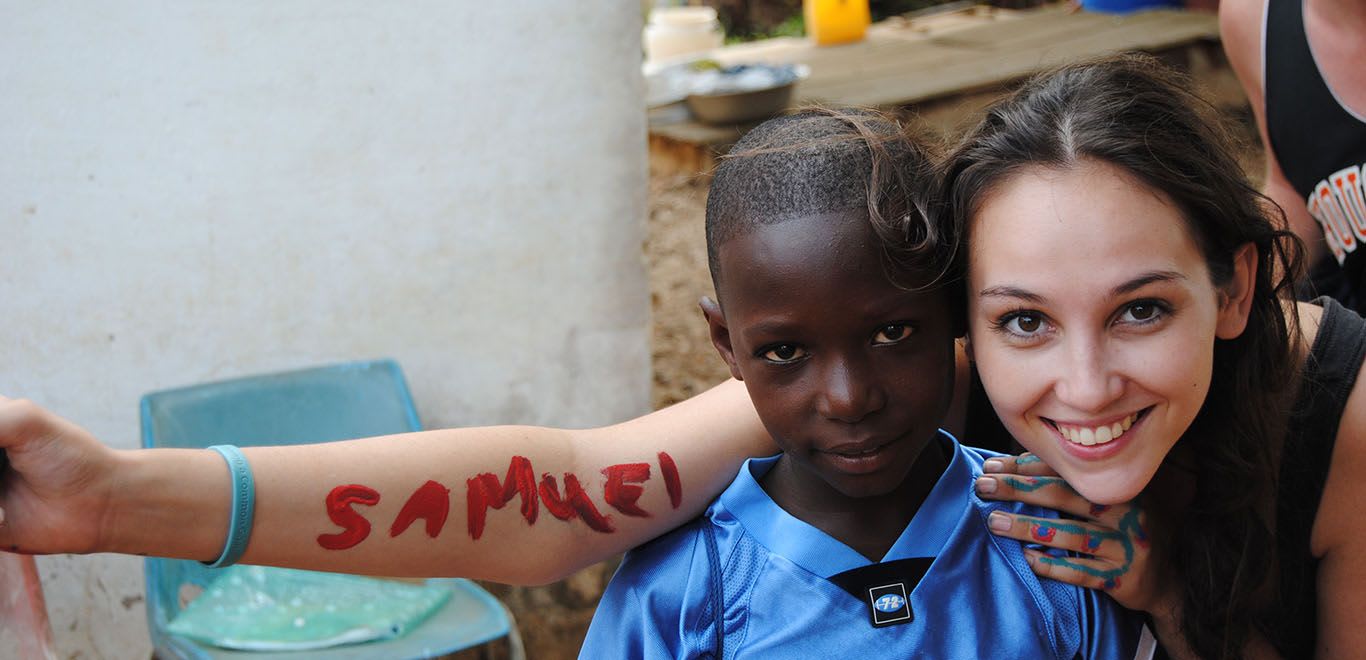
1126	313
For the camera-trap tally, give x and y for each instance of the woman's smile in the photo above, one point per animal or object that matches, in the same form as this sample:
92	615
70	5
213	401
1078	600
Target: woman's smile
1092	441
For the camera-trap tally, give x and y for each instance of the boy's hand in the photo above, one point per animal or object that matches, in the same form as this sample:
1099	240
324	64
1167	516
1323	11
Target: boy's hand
1110	544
54	492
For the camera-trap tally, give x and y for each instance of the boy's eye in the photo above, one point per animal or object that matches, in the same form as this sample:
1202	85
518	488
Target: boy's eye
892	333
783	353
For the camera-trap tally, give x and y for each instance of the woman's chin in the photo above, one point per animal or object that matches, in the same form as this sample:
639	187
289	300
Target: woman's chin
1108	487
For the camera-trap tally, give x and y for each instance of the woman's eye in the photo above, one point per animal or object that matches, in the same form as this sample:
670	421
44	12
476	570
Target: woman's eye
1023	324
1144	311
892	333
783	353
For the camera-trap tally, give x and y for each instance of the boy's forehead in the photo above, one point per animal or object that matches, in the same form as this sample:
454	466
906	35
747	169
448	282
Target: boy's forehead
837	228
793	240
838	246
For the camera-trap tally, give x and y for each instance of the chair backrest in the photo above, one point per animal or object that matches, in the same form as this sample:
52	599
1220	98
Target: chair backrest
337	402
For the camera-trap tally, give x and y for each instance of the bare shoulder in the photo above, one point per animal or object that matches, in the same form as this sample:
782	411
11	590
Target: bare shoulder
1308	316
1338	523
1240	31
1240	27
1339	536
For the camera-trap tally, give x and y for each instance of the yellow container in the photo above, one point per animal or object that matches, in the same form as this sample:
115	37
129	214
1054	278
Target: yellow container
831	22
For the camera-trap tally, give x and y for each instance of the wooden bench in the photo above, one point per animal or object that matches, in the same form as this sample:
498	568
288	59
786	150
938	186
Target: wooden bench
945	66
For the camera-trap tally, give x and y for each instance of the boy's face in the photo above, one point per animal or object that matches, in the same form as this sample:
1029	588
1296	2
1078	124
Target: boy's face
850	374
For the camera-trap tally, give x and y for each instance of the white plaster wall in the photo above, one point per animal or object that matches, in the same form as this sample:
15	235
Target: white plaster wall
199	190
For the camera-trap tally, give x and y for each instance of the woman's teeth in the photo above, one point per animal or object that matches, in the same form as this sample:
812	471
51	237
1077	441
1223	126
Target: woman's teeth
1096	435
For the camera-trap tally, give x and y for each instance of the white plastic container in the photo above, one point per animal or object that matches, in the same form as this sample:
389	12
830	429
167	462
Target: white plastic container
676	32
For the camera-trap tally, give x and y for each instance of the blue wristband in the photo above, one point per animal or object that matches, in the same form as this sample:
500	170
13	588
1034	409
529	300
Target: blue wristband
243	506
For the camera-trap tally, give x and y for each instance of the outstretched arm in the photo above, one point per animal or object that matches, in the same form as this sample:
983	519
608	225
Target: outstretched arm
512	504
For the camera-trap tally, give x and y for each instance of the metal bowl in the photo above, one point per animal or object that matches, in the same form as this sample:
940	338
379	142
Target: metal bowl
740	107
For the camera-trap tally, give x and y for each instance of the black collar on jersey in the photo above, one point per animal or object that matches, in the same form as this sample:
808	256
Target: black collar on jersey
885	588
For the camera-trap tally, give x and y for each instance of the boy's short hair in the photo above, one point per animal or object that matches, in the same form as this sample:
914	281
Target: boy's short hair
821	161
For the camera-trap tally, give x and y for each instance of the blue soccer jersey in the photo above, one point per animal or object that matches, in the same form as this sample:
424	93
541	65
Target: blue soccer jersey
948	588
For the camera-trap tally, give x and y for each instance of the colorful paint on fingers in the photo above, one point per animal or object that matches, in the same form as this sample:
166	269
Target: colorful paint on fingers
1042	532
1130	534
1031	484
1024	484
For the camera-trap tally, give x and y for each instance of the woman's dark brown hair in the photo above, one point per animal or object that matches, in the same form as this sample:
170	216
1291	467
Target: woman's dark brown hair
1137	114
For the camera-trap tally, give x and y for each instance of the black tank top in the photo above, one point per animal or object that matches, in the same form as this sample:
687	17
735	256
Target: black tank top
1321	147
1329	374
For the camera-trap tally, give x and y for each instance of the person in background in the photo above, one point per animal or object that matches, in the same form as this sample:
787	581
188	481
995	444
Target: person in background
1300	62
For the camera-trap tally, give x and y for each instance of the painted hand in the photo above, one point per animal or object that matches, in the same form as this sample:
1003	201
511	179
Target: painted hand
1109	545
53	494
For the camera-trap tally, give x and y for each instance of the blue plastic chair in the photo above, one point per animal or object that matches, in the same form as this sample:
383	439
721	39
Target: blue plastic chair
339	402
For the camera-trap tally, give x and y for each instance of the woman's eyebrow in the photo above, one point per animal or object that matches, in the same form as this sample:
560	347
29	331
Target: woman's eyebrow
1130	286
1146	279
1010	292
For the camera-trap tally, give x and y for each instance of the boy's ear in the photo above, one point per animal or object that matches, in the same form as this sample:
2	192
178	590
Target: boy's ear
720	334
1235	299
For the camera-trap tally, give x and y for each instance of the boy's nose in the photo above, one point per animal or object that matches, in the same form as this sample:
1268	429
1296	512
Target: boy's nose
848	395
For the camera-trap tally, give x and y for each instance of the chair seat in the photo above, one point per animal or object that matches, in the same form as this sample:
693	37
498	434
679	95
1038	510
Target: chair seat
471	617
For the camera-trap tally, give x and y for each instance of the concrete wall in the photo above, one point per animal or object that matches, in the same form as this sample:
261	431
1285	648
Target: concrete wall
194	191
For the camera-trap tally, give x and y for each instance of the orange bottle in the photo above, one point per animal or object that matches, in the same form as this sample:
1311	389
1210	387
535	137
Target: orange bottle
831	22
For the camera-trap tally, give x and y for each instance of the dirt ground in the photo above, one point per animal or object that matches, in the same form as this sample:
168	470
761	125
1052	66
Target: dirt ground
676	254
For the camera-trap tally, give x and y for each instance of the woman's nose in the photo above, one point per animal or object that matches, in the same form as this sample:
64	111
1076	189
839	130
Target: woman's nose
1088	380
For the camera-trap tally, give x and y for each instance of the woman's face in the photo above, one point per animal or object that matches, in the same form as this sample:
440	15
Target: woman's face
1093	319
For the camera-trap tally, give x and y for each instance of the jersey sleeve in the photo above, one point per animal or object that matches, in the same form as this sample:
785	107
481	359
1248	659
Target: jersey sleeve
654	605
1111	631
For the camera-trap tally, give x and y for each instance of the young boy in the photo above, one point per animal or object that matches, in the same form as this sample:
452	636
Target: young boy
863	538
